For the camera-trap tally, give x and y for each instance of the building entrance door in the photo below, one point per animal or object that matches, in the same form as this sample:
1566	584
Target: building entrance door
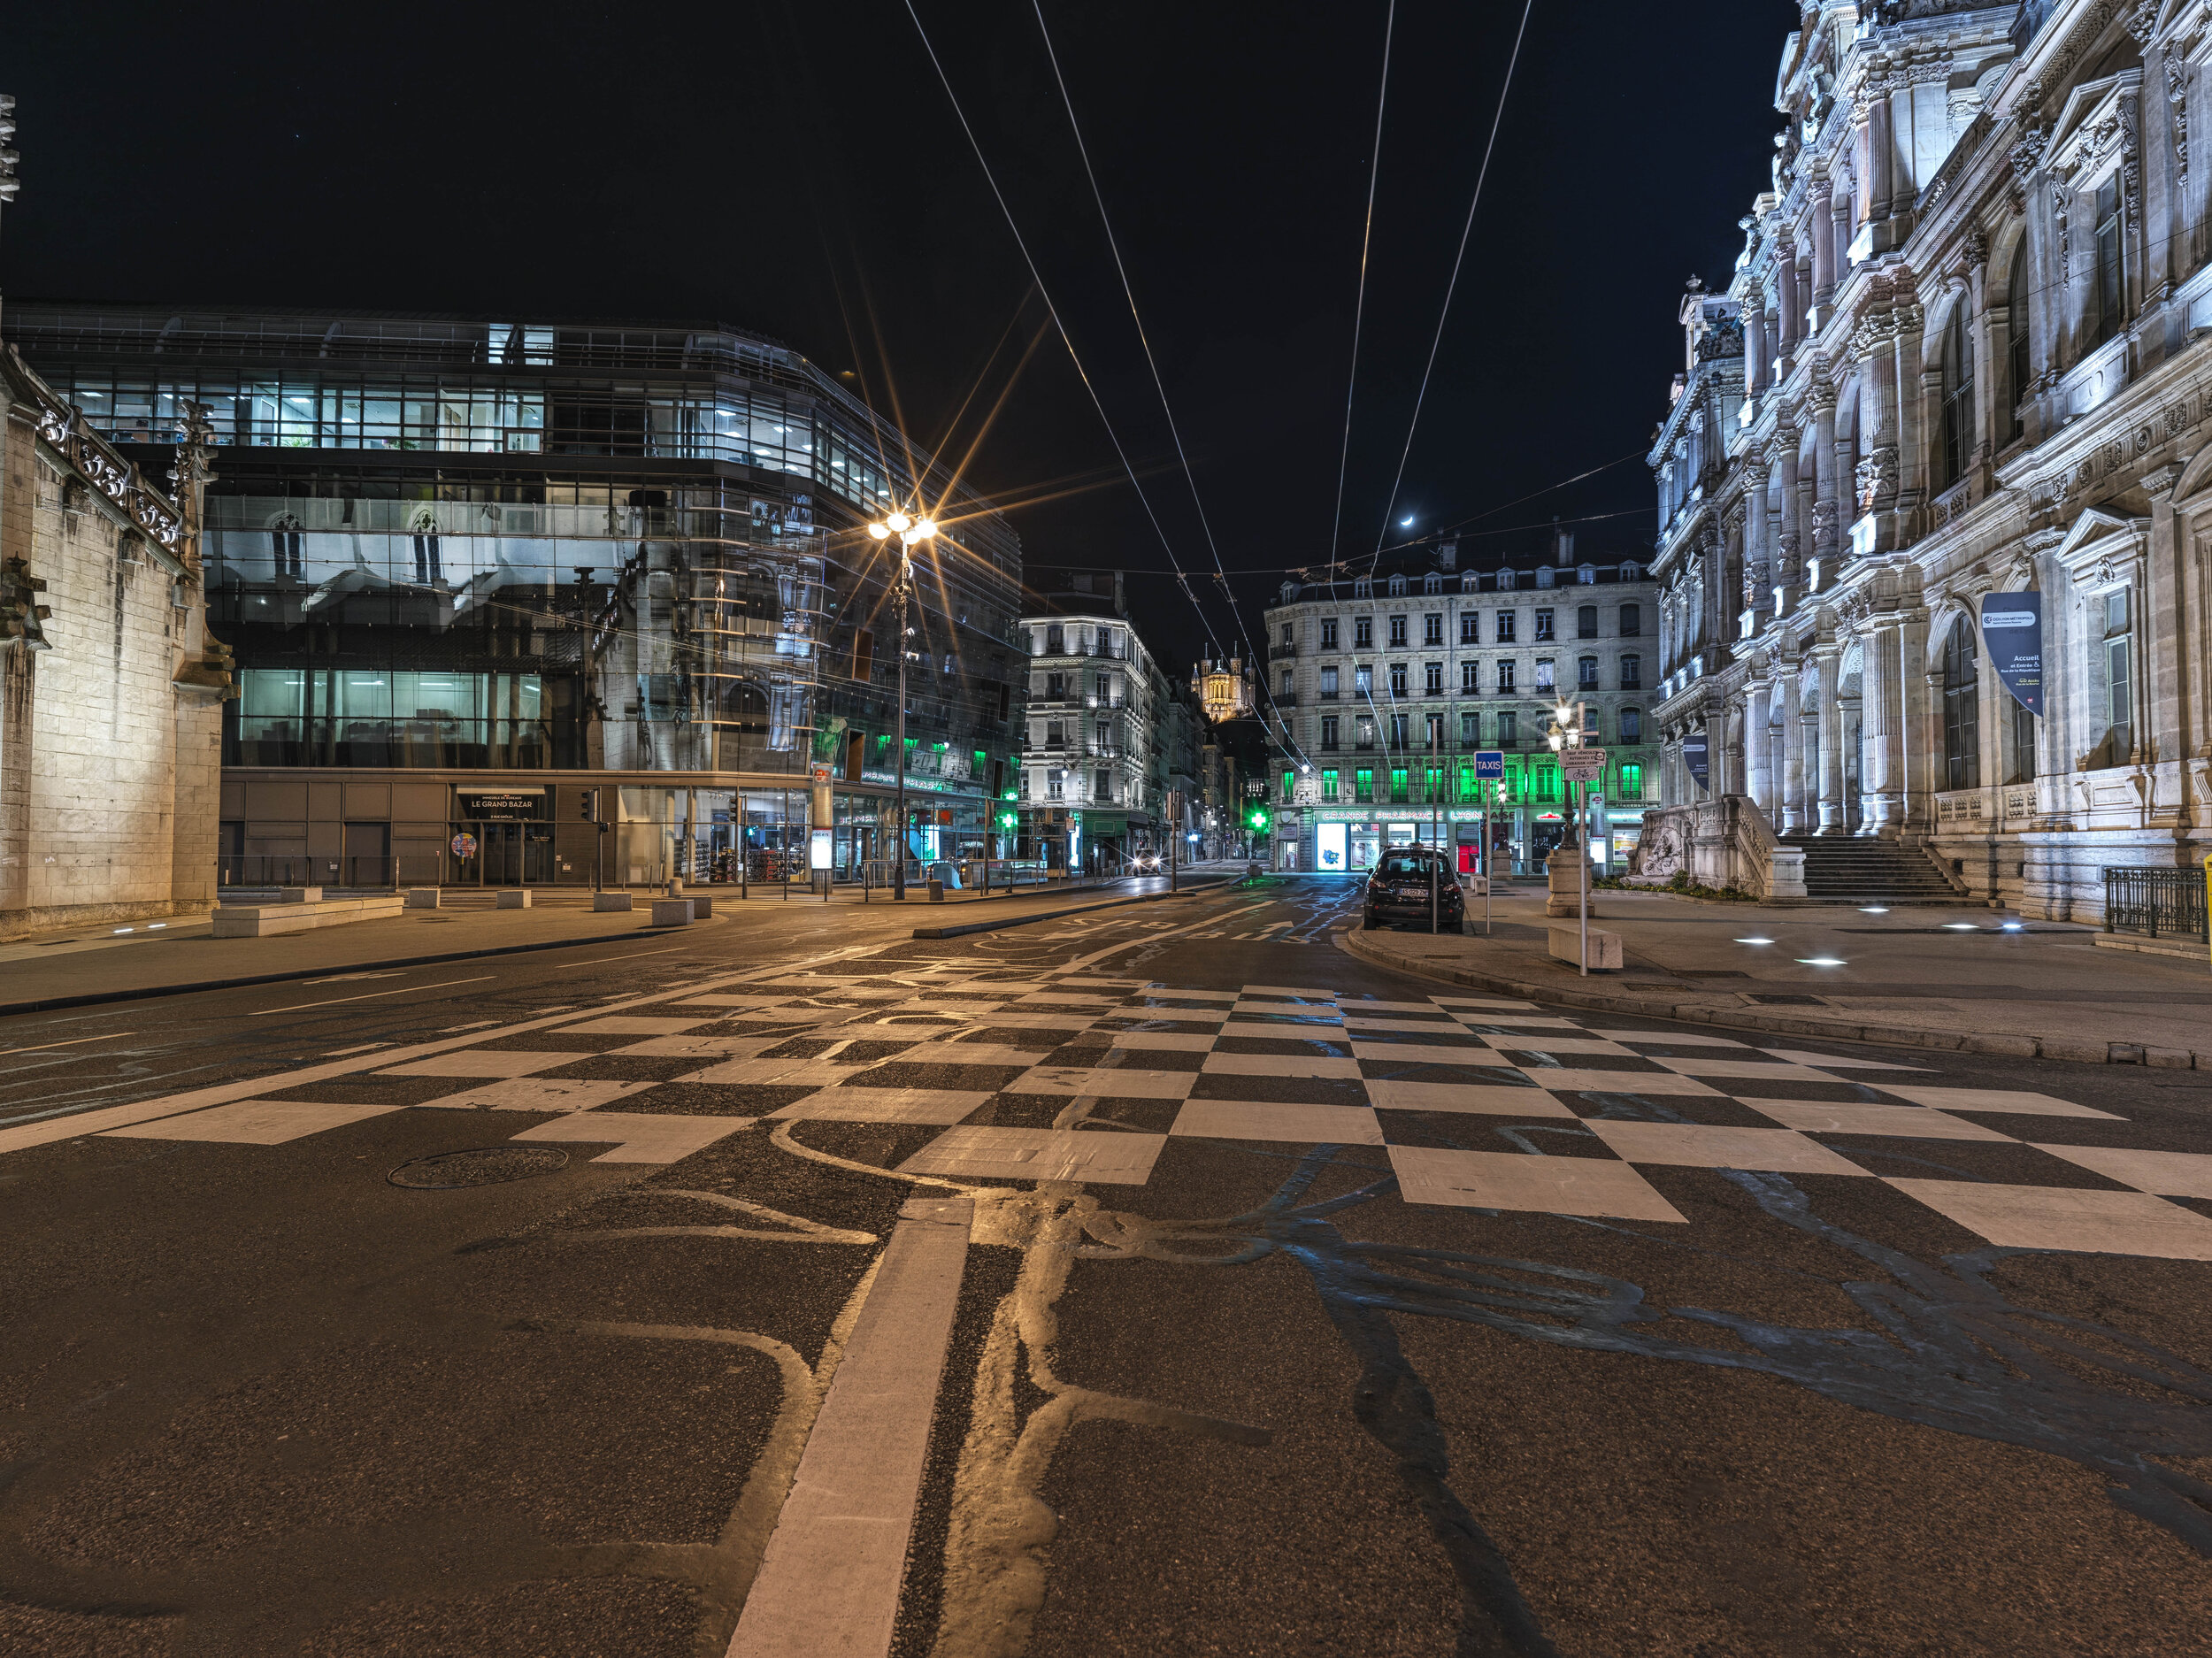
516	854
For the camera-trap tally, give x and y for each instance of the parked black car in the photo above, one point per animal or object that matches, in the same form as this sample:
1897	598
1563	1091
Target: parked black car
1399	888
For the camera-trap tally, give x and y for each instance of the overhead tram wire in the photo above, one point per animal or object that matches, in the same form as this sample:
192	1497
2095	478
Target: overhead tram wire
1359	306
1113	244
1497	120
1443	316
1181	578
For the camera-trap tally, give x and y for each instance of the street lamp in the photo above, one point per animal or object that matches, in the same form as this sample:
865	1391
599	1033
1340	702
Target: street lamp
910	532
1567	732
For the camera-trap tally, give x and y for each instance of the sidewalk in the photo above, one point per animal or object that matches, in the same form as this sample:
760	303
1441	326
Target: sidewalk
85	966
1926	976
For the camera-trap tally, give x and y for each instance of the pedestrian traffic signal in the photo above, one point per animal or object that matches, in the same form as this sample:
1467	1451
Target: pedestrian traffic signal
1258	820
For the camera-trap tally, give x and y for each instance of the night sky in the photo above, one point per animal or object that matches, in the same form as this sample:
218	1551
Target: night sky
797	169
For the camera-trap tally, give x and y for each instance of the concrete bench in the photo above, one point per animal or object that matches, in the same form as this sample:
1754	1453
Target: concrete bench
518	898
701	905
256	921
1605	948
603	902
672	912
424	898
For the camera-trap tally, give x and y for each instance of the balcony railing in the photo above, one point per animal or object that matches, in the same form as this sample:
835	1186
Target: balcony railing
1276	653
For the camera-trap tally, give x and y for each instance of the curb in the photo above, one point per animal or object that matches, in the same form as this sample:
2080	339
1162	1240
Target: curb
1049	914
1354	943
150	992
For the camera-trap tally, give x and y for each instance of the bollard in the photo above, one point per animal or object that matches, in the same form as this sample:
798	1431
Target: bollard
423	898
936	890
514	900
672	912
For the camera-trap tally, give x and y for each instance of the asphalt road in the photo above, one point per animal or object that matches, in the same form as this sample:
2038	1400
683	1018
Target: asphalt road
1377	1330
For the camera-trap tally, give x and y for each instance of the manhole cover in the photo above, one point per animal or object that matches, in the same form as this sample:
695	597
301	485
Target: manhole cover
449	1171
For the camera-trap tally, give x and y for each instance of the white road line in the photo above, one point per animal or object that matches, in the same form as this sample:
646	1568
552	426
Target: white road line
365	1047
828	1585
598	961
403	990
42	1047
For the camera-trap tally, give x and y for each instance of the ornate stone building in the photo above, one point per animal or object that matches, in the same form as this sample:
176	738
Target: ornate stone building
1963	352
1087	764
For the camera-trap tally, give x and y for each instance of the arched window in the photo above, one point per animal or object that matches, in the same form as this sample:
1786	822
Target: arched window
1961	709
1955	441
2016	338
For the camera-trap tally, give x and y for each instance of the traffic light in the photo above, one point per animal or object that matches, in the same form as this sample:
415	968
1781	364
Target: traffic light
1258	820
591	805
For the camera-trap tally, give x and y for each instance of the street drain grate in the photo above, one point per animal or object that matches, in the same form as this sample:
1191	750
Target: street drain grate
489	1165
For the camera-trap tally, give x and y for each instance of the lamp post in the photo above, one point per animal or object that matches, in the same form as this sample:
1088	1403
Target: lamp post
910	532
1567	733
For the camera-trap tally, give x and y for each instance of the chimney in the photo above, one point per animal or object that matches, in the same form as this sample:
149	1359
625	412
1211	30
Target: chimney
1121	604
1562	544
1447	556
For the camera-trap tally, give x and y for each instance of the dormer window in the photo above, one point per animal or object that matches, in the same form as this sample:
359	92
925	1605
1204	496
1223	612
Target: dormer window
1505	581
1397	586
1629	573
1432	583
1587	575
1470	583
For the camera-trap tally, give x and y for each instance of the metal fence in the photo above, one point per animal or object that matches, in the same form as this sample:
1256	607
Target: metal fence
2160	903
257	871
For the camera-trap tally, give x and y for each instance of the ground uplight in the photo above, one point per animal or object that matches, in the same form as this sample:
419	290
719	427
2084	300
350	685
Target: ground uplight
1960	927
1822	961
1873	909
1755	941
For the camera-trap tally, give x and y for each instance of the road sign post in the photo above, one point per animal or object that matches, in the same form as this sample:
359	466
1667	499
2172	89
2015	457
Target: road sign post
1489	775
1583	766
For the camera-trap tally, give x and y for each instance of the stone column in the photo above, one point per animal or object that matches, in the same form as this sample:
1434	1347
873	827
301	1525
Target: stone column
1788	565
1827	504
1833	820
1840	228
1755	343
1791	303
1792	755
1757	706
1882	788
1822	228
1880	144
1758	541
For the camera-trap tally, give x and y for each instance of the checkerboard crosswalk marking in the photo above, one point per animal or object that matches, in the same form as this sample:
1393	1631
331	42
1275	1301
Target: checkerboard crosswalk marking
1345	1068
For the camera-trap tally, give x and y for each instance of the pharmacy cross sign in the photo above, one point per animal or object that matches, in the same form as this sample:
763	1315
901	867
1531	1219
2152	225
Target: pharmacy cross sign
1582	766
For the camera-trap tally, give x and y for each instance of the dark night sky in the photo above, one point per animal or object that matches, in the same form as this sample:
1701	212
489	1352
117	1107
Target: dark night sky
796	168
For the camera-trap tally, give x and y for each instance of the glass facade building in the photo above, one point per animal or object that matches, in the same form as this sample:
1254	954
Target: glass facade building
472	549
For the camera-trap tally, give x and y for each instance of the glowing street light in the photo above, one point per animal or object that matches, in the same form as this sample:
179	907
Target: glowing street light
911	533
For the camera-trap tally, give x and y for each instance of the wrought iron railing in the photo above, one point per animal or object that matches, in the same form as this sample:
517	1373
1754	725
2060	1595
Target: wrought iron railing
2157	903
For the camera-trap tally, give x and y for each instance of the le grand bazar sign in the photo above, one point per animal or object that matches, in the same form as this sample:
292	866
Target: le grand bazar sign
499	805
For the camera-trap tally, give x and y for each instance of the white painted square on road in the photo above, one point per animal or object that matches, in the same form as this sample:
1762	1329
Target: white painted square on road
2000	1099
2169	1173
943	1106
1477	1098
640	1136
1281	1065
1561	1080
633	1024
1468	1052
2053	1218
254	1122
1728	1065
1273	1120
1511	1180
535	1094
477	1062
1695	1146
1831	1062
983	1153
1109	1081
1904	1121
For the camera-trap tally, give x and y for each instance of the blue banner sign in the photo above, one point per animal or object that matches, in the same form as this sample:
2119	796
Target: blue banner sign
2012	632
1489	765
1694	757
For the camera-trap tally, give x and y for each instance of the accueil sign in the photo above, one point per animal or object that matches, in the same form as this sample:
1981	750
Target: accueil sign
2012	634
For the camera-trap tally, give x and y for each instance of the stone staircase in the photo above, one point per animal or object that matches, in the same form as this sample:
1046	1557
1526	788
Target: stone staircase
1861	870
